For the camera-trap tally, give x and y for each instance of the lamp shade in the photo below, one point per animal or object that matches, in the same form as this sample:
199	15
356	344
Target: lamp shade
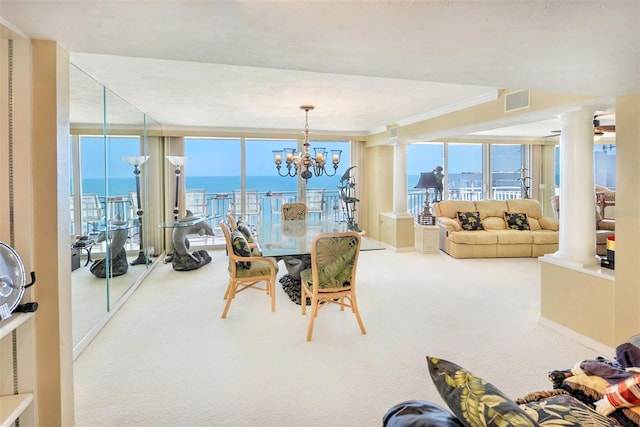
427	180
136	160
177	160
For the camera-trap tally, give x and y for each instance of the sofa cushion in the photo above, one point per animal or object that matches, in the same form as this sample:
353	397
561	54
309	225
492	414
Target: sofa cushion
493	223
514	237
545	237
469	221
531	207
489	208
548	223
419	413
449	208
534	224
473	400
479	237
516	221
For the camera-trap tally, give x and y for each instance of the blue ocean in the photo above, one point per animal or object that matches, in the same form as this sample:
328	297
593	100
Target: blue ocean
226	184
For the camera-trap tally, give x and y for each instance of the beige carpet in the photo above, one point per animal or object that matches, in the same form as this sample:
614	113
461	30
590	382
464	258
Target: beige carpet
168	359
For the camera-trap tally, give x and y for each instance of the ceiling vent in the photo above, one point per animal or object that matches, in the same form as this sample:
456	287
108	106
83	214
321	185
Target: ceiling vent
393	131
516	101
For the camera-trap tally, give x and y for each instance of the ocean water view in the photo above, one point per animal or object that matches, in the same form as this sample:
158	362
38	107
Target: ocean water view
226	184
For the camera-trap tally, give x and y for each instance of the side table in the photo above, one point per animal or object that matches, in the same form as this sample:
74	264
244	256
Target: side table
426	238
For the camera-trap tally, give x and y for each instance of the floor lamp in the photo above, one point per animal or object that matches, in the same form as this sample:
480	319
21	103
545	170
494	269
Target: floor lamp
178	162
136	162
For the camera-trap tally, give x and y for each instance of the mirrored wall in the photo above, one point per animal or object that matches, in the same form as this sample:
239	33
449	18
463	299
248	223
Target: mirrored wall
109	237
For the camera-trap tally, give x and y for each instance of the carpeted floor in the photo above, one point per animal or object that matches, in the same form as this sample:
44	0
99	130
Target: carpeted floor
168	359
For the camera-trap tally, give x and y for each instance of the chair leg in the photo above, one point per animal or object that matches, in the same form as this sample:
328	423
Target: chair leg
312	317
354	308
303	299
272	292
231	293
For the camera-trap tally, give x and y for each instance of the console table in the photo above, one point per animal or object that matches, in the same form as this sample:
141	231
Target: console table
181	259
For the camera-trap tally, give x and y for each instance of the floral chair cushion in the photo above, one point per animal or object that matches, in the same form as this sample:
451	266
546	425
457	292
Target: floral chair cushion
241	248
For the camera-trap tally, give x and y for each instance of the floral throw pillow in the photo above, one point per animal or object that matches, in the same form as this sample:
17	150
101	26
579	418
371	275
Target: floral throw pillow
516	221
469	221
241	248
473	400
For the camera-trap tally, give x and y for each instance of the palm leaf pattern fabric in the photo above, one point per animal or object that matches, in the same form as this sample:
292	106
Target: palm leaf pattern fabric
336	257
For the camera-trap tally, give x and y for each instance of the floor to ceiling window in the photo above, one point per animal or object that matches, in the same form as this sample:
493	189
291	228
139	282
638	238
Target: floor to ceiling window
464	171
509	175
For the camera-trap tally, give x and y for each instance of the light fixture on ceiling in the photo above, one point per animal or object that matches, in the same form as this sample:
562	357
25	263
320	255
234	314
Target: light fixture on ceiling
303	162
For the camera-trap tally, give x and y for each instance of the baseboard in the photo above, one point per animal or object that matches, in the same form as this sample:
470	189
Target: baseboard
598	347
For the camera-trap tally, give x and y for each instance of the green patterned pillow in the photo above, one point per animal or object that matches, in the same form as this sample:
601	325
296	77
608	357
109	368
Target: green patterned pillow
516	221
241	248
244	228
469	221
473	400
564	410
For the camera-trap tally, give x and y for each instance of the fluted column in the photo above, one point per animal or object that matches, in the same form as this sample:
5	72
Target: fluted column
400	178
577	237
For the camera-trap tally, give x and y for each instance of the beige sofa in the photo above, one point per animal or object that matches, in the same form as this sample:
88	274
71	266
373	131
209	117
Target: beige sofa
496	240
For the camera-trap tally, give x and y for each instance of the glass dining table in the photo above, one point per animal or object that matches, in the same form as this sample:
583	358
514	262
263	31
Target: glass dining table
293	238
291	241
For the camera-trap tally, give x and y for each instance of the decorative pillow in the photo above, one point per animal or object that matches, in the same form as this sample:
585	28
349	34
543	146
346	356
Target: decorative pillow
473	400
564	410
244	228
469	221
625	394
419	413
516	221
591	388
240	248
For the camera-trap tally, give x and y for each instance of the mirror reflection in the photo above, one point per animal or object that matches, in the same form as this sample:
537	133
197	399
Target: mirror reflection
108	149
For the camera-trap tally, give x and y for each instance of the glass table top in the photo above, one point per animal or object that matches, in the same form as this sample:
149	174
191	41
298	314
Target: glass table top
294	237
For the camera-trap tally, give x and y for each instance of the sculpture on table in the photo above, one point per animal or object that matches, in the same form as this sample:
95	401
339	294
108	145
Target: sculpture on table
439	174
525	181
118	264
347	196
182	260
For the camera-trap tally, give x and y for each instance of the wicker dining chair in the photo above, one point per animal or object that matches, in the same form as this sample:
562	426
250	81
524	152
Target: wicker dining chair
332	276
245	270
294	211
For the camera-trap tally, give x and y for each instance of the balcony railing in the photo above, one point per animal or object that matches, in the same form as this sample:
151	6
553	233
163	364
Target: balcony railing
219	204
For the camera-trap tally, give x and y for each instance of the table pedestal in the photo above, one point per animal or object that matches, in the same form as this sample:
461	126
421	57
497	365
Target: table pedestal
291	282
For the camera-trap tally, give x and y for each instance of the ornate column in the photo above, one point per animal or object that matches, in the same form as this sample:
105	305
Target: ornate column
577	237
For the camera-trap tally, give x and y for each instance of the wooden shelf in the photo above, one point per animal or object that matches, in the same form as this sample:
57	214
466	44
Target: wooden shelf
7	326
11	407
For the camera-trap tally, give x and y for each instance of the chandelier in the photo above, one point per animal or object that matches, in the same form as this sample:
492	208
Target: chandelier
303	162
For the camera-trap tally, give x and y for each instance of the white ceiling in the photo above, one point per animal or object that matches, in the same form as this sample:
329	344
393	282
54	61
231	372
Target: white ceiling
364	64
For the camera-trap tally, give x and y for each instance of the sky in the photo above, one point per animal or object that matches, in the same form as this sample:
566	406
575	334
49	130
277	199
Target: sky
209	157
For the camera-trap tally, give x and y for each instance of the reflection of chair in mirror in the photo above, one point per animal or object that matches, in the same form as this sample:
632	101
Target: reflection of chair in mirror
315	202
332	276
91	212
252	203
295	211
247	271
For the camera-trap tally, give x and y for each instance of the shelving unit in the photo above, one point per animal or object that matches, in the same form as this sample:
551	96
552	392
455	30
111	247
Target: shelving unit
13	406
